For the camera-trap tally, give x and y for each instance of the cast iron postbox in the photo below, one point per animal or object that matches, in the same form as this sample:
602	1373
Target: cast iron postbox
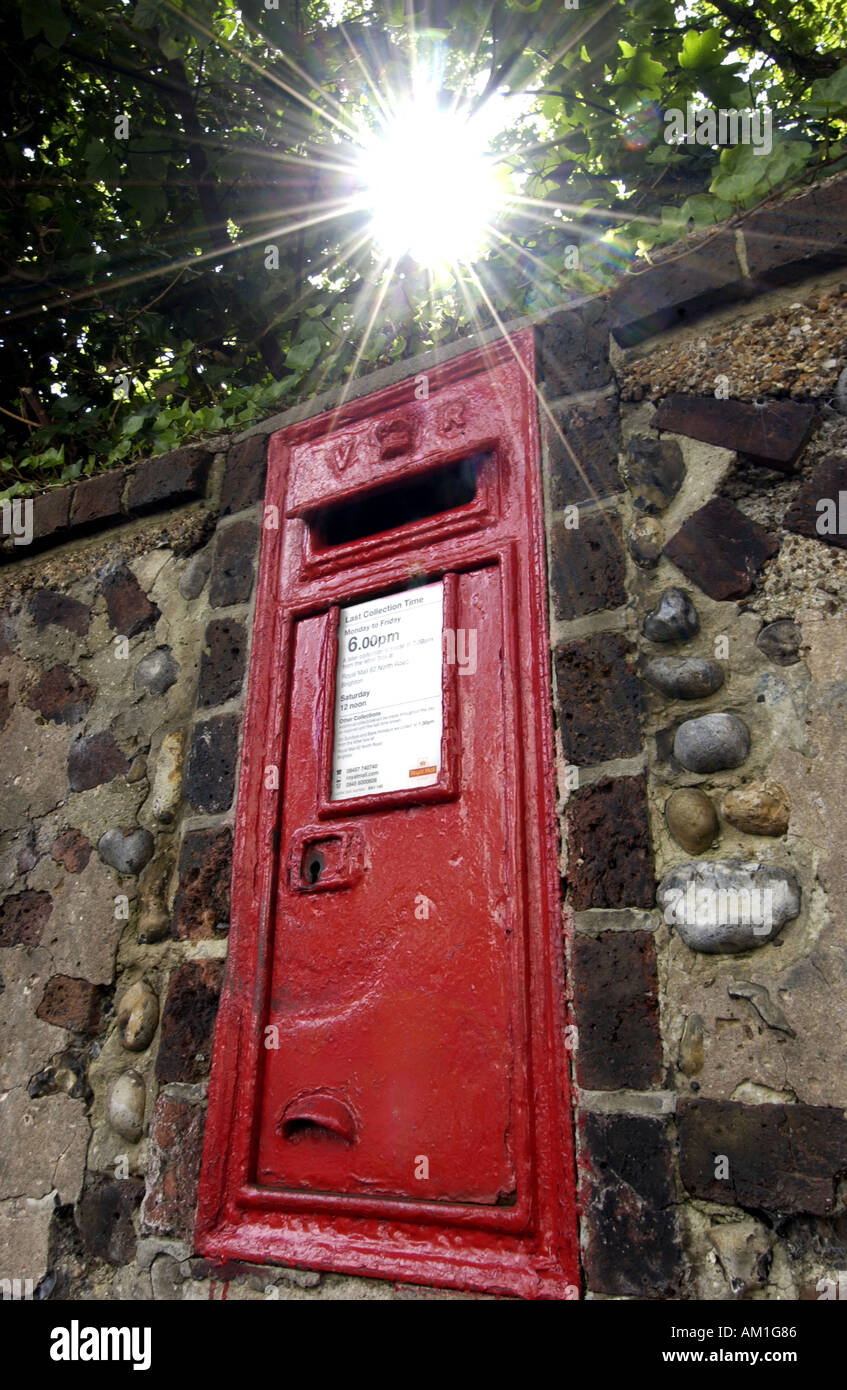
389	1085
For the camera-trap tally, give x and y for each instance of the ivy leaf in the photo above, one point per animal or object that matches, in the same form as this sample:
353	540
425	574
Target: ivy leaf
304	355
827	92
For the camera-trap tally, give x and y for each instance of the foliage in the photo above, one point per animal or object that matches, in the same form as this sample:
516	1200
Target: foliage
138	301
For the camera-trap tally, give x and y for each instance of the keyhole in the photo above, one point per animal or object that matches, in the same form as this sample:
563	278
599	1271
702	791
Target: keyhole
313	866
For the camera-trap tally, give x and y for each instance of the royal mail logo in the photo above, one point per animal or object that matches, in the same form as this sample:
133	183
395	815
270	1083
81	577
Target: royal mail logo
423	770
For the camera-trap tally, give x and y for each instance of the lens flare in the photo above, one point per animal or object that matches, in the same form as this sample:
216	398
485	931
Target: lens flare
430	184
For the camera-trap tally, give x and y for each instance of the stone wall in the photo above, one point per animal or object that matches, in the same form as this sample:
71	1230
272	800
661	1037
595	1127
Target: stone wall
699	661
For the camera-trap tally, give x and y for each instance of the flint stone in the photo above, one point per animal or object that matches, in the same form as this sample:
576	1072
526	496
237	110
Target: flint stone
674	619
692	819
126	850
760	808
645	541
780	641
138	1015
196	572
156	672
712	742
654	471
126	1106
691	678
728	905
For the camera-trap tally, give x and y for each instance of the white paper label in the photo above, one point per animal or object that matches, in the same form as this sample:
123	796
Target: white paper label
388	713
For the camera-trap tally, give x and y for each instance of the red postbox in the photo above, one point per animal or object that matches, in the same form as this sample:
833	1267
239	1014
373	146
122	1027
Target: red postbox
389	1089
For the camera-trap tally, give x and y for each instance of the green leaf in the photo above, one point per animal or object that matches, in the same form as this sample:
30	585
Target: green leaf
828	91
304	355
702	50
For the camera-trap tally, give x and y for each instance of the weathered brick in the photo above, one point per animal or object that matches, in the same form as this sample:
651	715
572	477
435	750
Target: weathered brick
46	607
62	696
210	770
599	699
781	1158
244	478
610	859
188	1021
50	513
676	289
827	482
616	992
23	917
97	499
94	760
202	899
232	566
176	1149
632	1247
130	610
772	434
721	550
587	565
72	849
171	477
803	234
572	349
72	1003
222	663
104	1217
584	464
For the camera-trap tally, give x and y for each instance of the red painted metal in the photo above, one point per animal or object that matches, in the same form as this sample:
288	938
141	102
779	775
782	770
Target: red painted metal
389	1089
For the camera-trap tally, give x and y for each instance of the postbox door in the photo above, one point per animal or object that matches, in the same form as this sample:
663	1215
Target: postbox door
390	1064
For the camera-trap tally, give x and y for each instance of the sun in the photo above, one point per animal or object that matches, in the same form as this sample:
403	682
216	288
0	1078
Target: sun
431	184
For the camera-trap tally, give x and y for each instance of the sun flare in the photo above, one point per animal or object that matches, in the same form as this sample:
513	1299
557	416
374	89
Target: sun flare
431	184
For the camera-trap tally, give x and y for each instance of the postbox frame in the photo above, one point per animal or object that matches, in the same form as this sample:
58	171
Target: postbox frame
528	1249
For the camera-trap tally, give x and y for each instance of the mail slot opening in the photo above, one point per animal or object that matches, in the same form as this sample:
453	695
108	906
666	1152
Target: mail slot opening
431	494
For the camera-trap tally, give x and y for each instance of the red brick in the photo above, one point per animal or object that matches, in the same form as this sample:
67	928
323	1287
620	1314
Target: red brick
23	917
46	606
772	434
783	1158
828	480
632	1247
51	513
170	478
130	610
72	849
71	1003
584	465
587	565
610	859
188	1021
617	1011
202	899
676	288
598	695
721	550
98	499
800	235
62	696
176	1149
244	479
